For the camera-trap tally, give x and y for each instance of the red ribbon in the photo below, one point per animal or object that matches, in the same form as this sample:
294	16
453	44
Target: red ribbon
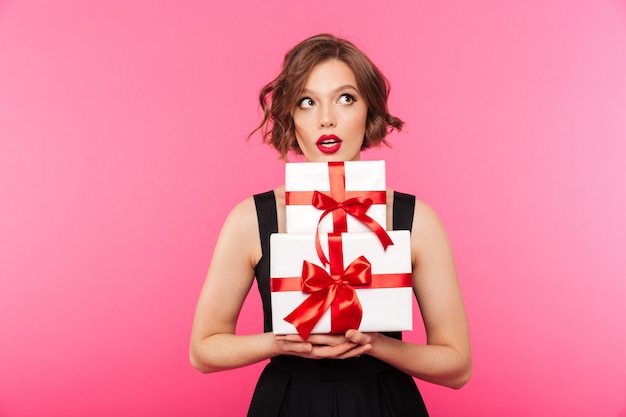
303	198
356	207
331	290
378	281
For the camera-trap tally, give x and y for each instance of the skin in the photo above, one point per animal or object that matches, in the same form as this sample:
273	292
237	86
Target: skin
444	360
331	104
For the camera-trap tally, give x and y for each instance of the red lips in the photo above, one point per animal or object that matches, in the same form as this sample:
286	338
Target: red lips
328	144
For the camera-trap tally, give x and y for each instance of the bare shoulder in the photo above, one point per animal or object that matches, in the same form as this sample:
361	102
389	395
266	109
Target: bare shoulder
243	215
240	231
428	236
425	217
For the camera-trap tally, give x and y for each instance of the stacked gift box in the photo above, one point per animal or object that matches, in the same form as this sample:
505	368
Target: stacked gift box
337	267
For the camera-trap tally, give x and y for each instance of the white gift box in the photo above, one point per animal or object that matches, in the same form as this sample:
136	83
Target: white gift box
362	178
384	309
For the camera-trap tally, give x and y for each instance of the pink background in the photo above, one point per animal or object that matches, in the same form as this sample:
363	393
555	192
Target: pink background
122	128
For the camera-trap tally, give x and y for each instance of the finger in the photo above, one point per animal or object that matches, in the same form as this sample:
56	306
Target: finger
295	347
357	337
290	338
324	351
356	352
327	339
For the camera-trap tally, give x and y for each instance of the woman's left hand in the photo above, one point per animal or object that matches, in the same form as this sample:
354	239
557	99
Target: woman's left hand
350	345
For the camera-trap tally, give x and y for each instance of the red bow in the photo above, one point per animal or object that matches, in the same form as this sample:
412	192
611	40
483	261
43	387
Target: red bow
327	291
356	207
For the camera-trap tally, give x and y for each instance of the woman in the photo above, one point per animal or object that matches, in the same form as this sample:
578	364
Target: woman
329	103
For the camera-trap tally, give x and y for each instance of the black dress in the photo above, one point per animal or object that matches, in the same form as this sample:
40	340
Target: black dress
291	386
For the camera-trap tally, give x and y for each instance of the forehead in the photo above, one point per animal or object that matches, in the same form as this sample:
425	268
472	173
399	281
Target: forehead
329	75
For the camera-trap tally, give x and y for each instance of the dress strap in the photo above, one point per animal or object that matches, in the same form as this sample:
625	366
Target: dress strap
403	208
268	224
268	220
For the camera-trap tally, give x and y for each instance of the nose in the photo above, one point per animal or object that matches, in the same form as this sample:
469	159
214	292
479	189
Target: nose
327	118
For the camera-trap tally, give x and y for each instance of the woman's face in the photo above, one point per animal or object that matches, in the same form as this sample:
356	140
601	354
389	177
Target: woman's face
331	114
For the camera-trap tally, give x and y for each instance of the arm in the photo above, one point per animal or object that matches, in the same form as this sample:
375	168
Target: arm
214	345
446	358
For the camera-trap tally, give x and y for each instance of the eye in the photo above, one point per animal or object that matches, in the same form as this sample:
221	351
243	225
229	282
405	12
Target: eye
346	99
306	103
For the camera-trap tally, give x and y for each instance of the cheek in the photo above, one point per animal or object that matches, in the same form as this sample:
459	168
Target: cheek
297	132
364	121
301	129
299	141
297	124
359	122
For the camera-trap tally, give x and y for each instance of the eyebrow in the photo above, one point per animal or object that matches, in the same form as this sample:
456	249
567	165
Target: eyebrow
336	90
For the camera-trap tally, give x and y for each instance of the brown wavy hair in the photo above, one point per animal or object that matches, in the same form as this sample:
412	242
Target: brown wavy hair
279	98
